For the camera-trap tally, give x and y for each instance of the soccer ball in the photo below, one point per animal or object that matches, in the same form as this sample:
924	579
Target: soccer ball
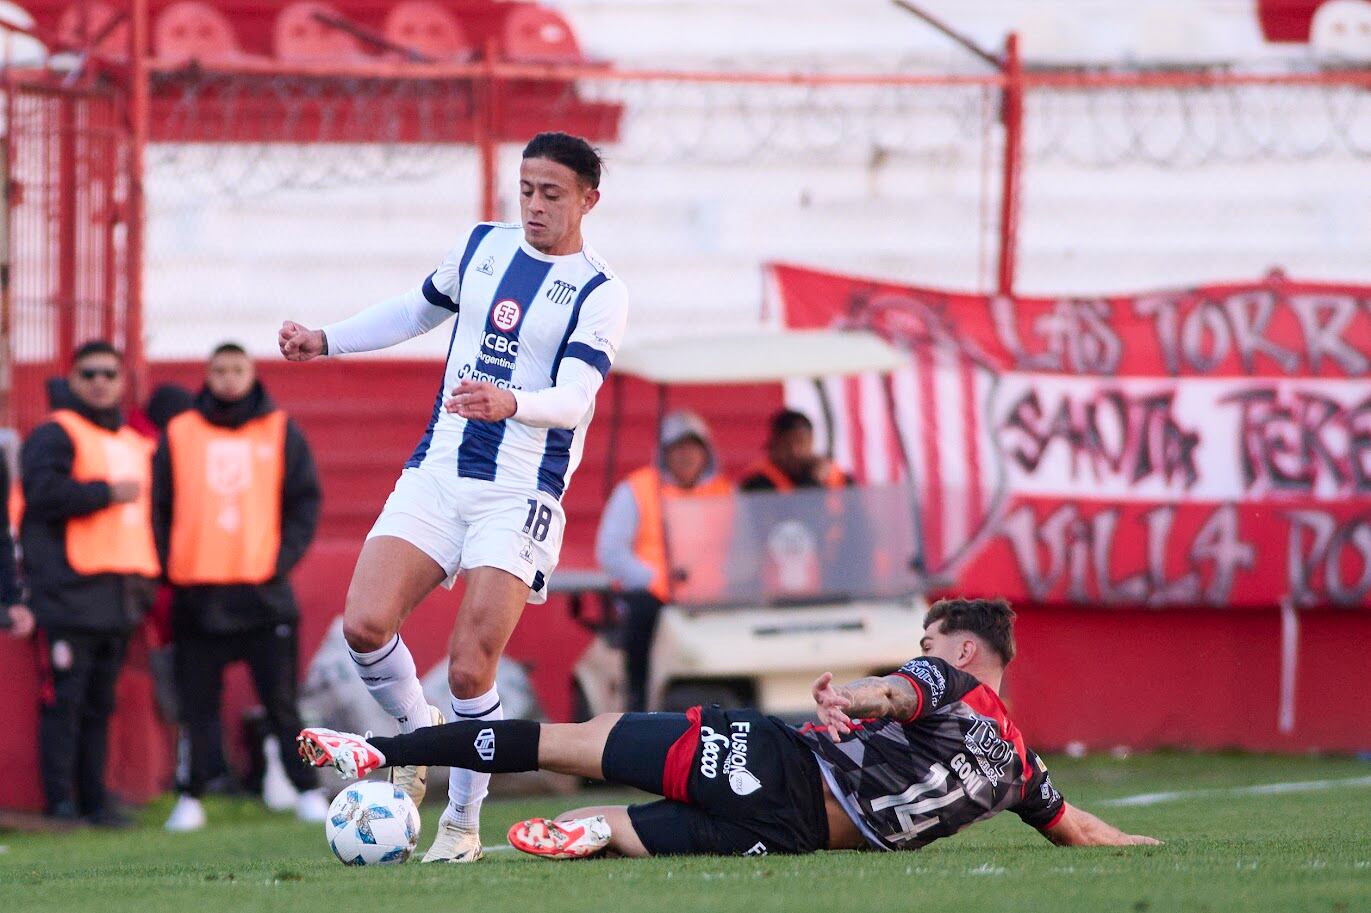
372	822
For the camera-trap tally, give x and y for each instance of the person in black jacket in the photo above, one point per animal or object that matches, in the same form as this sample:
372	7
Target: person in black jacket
89	562
229	475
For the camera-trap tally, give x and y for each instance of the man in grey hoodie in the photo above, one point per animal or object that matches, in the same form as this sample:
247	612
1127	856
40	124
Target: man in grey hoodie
632	543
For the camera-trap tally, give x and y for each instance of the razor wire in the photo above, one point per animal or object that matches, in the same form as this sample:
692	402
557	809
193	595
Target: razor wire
249	134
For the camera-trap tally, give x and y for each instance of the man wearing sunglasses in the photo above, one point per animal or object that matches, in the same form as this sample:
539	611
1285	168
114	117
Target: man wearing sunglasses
91	562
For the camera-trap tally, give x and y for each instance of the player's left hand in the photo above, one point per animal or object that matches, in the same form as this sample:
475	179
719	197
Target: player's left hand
480	400
832	704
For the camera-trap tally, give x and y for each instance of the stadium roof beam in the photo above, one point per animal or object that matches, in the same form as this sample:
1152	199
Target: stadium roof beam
371	37
994	60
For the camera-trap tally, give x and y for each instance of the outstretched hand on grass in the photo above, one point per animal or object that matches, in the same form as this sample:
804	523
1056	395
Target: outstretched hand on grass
832	704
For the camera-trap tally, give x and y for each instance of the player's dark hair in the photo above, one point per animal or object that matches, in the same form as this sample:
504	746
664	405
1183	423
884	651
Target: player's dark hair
96	347
571	151
788	420
228	348
992	620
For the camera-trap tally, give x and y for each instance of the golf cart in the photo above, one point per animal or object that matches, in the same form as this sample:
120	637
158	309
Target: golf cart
771	588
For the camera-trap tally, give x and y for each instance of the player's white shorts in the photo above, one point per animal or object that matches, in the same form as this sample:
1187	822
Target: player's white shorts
466	523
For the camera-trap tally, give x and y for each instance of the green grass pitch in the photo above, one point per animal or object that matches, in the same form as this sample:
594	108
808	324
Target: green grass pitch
1226	850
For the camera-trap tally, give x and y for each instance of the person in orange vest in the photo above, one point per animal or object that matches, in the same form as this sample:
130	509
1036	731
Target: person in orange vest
91	565
235	504
790	461
631	543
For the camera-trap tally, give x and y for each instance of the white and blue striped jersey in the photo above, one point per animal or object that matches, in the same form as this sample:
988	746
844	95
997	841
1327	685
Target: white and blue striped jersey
520	313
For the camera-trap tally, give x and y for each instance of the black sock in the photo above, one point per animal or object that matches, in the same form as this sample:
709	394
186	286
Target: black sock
485	746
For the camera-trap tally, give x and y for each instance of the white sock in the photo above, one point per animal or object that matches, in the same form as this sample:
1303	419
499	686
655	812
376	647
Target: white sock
466	789
392	679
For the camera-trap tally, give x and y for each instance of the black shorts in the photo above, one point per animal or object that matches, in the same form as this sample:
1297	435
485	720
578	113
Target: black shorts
735	782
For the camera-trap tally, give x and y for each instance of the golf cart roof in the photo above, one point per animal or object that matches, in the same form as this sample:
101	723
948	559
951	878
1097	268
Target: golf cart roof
759	356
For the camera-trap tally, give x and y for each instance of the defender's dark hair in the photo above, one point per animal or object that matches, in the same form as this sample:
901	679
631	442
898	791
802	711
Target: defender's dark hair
992	620
228	348
571	151
96	347
788	420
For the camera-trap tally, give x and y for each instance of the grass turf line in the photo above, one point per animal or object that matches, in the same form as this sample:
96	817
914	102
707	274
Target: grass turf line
1308	851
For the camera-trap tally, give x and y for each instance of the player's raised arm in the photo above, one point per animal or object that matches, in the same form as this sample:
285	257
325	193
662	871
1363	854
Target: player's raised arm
386	323
1077	827
378	327
881	697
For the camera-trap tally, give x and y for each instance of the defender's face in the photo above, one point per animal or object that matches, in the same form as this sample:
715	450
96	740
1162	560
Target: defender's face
552	201
950	648
230	376
98	381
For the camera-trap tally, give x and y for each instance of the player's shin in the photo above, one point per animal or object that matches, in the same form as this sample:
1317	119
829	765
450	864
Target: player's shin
392	678
467	787
484	746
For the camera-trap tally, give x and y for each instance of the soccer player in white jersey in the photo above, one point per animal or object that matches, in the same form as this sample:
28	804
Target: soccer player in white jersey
539	319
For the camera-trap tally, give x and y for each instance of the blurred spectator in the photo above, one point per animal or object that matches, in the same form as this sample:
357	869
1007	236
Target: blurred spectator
16	617
631	544
90	562
235	506
791	462
167	401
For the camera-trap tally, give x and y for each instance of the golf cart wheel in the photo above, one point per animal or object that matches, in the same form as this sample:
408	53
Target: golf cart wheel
680	698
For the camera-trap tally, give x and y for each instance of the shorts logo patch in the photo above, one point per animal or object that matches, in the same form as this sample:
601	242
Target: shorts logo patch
526	553
485	744
742	781
62	657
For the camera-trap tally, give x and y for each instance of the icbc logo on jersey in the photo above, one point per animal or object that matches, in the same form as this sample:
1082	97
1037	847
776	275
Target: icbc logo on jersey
505	314
501	344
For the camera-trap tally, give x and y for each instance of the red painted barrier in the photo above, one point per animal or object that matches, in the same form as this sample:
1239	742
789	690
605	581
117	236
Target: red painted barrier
1207	678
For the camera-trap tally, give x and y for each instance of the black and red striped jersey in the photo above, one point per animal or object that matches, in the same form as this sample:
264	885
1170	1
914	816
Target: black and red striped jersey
957	760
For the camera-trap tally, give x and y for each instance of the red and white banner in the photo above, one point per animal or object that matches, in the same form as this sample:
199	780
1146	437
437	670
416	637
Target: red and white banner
1205	446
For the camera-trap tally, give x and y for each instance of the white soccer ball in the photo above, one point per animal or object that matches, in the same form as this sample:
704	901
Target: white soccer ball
372	822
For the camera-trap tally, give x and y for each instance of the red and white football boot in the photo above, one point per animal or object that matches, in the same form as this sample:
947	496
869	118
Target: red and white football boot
349	754
574	839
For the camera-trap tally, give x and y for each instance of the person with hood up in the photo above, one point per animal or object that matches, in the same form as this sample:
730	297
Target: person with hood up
632	541
235	504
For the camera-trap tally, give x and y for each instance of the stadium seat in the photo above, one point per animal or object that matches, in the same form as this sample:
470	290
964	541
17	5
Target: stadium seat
1342	29
429	28
20	49
536	35
299	37
69	27
191	30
